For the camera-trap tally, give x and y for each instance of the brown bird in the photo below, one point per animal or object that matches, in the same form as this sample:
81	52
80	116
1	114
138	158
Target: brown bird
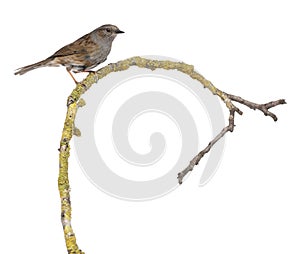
81	55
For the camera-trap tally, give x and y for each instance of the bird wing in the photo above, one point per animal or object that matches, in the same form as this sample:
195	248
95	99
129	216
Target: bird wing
76	47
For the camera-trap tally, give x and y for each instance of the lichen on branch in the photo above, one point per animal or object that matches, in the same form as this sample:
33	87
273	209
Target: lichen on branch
74	101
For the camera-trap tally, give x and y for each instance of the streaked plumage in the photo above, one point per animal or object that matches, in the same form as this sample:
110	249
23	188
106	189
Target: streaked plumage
81	55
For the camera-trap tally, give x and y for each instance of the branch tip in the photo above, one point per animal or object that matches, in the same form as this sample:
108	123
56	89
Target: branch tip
230	127
76	132
81	103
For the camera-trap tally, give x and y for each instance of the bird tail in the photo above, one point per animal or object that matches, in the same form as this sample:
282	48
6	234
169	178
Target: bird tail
31	67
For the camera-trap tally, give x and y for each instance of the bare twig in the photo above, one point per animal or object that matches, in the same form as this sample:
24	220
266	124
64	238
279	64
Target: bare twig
199	156
262	107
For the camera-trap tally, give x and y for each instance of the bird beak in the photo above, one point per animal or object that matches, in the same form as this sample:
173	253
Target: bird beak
119	32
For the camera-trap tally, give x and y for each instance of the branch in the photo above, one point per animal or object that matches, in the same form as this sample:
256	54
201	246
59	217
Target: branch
63	179
199	156
74	102
262	107
69	129
140	62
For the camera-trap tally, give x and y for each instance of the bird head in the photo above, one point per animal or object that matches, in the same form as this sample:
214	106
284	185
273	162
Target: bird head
109	31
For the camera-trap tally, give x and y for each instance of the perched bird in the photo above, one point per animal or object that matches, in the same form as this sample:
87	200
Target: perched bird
81	55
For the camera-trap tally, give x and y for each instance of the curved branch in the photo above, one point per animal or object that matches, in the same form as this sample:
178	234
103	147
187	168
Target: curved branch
74	102
63	180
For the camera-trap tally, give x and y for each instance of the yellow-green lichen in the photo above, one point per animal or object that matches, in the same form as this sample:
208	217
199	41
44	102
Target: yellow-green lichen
69	129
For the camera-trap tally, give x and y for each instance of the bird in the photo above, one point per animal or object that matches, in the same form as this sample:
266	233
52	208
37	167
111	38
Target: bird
81	55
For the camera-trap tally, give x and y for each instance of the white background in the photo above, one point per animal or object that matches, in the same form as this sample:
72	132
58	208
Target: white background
248	48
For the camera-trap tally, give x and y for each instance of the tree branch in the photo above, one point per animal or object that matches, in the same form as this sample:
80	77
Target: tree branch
63	179
74	102
262	107
199	156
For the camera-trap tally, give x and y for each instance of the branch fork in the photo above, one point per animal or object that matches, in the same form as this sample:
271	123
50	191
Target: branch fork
230	127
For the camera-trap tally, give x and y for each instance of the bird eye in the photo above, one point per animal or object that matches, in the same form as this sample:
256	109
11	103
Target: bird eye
108	30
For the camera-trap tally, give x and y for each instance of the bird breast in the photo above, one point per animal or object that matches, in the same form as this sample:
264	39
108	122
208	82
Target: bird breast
101	48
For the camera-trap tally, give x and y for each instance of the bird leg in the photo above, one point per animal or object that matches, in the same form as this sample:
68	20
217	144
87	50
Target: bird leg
76	82
88	71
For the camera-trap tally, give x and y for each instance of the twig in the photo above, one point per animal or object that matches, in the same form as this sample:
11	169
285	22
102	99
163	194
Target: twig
199	156
262	107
